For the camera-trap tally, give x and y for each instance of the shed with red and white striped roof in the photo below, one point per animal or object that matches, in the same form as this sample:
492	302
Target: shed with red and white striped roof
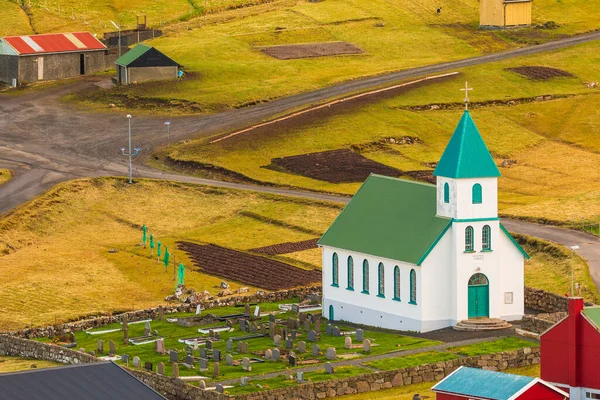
52	56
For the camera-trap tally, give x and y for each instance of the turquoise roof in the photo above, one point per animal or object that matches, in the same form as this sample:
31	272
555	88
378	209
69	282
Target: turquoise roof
390	218
473	382
466	155
132	55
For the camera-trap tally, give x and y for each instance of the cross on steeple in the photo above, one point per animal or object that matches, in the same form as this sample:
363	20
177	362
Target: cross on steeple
466	90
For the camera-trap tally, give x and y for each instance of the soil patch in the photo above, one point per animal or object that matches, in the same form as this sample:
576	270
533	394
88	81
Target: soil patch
537	73
287	247
248	269
335	166
307	50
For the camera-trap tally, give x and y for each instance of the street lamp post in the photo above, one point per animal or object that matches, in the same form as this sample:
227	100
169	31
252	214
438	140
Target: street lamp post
129	152
573	248
168	125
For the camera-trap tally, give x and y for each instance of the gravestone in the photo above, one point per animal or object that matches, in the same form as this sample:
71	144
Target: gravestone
289	344
202	384
244	347
312	336
82	350
271	330
275	354
294	334
189	350
125	334
198	309
263	330
328	329
189	361
209	345
297	323
246	364
229	344
254	327
290	324
211	333
161	313
292	360
136	362
203	364
367	346
125	358
301	347
336	331
247	309
244	381
100	346
159	346
318	325
348	342
360	335
160	368
112	348
239	347
215	370
268	354
242	324
218	335
328	368
228	360
173	356
148	366
216	355
175	370
219	388
257	312
277	340
315	350
331	353
299	376
272	318
203	353
302	318
279	330
307	325
147	329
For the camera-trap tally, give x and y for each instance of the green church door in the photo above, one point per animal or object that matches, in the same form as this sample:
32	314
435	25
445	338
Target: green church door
479	296
331	316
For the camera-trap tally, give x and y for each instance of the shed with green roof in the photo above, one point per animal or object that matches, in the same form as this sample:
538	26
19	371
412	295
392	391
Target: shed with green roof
145	63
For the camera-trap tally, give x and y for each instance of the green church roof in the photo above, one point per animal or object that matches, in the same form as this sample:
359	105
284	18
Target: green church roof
132	55
390	218
466	155
593	314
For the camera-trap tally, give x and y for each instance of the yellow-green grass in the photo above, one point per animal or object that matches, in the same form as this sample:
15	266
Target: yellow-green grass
16	364
554	142
14	19
55	249
5	175
407	392
550	269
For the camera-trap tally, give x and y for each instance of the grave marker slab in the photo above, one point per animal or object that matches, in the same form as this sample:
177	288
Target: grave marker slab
289	344
272	318
275	354
228	360
257	312
318	325
198	309
189	361
301	347
315	350
312	336
100	346
215	370
348	342
125	358
202	384
148	366
307	325
268	354
360	335
173	356
160	368
246	364
293	334
136	362
175	369
277	340
367	346
203	364
292	360
203	353
216	355
299	376
209	345
331	353
328	329
219	388
244	381
336	331
229	344
147	329
328	368
112	348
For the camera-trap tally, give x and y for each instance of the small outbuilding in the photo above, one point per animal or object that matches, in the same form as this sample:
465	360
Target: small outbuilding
33	58
474	383
505	13
144	63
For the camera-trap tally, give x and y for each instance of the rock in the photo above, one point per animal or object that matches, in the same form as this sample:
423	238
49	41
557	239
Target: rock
225	292
112	105
224	285
379	25
434	107
113	251
243	290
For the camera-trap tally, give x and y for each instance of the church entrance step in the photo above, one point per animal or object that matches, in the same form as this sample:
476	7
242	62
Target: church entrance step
482	324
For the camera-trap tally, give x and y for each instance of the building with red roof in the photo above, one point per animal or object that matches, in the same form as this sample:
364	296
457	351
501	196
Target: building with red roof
33	58
570	352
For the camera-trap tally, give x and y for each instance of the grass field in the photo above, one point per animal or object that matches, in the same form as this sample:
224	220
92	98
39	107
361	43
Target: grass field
15	364
14	19
553	142
5	175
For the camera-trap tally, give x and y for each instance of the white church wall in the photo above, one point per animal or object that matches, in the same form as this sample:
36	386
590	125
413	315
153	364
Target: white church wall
512	264
439	294
460	205
370	309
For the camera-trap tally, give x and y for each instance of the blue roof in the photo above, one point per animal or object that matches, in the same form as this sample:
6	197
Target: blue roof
482	383
466	155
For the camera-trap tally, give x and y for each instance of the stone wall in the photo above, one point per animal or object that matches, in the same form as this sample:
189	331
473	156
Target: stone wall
152	313
547	302
405	376
15	346
541	322
174	388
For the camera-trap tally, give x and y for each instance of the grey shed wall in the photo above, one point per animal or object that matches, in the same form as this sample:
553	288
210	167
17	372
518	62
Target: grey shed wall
9	68
143	74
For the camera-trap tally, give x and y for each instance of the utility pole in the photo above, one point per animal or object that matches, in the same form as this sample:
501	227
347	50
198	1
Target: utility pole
573	248
129	152
168	125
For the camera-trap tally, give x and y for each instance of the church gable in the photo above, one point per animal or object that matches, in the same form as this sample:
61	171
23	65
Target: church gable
389	218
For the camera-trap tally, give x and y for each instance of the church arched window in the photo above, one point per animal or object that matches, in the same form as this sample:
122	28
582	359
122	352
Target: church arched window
446	193
381	280
334	270
350	273
469	238
365	277
476	193
486	238
413	287
396	283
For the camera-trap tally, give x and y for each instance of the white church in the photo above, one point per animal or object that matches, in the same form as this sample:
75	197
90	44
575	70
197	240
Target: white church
411	256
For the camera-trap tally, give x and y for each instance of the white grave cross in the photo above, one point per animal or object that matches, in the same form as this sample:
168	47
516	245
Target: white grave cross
466	90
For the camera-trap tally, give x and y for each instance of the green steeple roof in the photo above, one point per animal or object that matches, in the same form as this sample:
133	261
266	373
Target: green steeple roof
466	155
132	55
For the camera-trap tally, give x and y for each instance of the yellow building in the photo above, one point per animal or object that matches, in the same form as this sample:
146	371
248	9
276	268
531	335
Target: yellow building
504	13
